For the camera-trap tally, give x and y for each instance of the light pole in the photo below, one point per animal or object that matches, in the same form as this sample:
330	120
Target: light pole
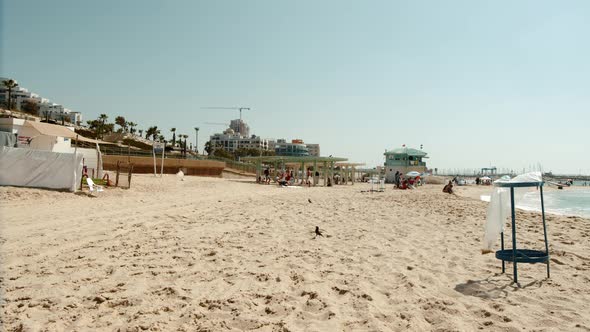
197	140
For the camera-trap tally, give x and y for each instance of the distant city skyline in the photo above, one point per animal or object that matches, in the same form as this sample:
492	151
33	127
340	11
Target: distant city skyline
476	83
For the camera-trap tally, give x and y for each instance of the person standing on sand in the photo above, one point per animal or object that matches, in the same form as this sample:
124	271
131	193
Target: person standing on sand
267	175
396	179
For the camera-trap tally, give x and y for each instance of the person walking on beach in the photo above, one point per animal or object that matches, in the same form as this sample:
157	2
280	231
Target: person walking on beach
396	179
267	176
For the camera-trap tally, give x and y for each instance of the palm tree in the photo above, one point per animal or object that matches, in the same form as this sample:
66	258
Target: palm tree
149	132
156	132
120	120
152	132
184	145
140	132
173	130
103	118
10	84
132	126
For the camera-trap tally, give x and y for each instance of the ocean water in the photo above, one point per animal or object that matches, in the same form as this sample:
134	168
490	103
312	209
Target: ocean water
569	201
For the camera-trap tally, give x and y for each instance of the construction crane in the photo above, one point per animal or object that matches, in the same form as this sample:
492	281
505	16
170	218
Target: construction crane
230	108
217	123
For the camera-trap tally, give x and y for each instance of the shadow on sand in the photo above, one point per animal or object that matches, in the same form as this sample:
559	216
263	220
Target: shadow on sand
493	287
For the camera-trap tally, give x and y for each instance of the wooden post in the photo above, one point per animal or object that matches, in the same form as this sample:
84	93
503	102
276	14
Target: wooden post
332	173
315	169
324	174
302	173
129	176
118	171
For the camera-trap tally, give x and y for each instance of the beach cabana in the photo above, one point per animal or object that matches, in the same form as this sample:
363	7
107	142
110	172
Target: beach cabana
324	164
347	171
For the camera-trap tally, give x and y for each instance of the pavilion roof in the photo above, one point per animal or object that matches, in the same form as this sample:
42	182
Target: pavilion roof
408	151
349	164
293	159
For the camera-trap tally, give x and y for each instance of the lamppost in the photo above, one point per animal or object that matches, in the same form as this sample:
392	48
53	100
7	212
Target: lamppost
197	140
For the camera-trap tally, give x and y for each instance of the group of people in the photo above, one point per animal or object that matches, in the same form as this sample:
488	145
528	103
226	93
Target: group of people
286	178
403	182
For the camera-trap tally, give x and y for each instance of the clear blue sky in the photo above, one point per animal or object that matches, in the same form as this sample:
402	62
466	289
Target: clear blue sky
475	82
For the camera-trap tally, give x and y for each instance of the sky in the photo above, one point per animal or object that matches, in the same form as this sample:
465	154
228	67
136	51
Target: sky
477	83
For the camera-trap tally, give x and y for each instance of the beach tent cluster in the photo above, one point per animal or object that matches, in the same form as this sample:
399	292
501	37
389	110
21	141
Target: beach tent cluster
35	154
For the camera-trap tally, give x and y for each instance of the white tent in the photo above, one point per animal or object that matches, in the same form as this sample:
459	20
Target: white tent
40	169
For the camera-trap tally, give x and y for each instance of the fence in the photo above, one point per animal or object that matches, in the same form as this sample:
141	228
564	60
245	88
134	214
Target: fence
236	165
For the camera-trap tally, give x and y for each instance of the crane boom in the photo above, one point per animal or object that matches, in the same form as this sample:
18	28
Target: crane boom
229	108
217	123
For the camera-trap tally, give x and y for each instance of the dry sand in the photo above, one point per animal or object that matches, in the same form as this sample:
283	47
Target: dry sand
221	254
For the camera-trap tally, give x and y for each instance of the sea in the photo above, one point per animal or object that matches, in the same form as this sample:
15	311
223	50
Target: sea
570	201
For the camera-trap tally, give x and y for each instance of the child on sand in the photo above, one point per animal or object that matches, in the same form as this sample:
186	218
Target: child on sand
448	188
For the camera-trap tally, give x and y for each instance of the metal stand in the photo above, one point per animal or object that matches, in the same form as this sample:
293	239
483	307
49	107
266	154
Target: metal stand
515	255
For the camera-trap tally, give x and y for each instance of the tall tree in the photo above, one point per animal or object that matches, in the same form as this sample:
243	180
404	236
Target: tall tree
132	126
10	84
103	119
156	132
140	132
208	148
152	132
120	121
173	130
30	106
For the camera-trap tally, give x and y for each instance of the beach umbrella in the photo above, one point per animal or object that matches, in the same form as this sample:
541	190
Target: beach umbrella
486	178
413	174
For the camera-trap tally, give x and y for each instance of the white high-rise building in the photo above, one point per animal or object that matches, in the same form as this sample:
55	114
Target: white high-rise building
46	109
229	140
240	127
314	149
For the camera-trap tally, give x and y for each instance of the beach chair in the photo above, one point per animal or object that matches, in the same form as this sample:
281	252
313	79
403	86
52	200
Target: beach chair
94	188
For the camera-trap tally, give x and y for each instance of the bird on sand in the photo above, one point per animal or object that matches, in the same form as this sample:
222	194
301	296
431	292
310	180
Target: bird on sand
317	232
309	200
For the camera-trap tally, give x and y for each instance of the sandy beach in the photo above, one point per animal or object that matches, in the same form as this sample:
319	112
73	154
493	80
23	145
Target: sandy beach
210	254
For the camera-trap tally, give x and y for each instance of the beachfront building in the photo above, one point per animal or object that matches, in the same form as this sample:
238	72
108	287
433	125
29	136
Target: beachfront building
230	141
240	127
403	160
26	101
41	136
296	148
314	149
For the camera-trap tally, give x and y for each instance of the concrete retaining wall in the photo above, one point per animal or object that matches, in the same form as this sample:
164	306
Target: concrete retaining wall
171	166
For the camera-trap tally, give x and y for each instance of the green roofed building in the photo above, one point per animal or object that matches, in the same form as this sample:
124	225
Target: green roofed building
403	160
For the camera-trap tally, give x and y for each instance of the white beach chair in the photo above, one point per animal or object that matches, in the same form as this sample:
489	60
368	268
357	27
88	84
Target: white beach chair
94	188
382	185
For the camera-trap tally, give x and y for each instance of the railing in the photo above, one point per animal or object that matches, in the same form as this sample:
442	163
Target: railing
122	151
